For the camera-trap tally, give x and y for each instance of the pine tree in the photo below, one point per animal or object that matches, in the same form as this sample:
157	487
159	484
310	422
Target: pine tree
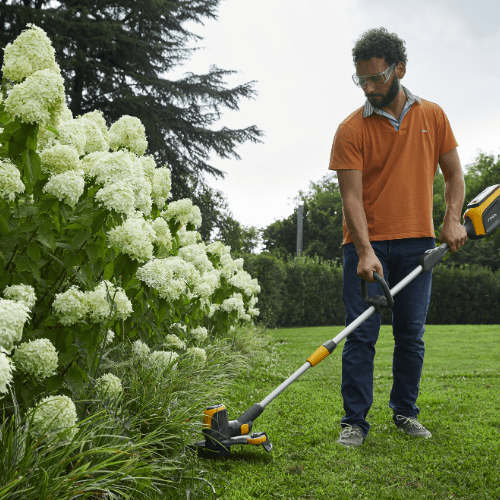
115	57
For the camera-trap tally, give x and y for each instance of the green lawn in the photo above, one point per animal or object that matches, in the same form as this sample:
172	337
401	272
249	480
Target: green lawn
459	403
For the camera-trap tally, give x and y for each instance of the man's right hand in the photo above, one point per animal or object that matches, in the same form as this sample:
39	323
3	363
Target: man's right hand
368	262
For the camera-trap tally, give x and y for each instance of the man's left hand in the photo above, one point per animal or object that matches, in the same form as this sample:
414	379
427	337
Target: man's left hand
454	234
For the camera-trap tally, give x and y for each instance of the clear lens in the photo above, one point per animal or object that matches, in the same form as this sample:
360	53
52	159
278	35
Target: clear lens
383	77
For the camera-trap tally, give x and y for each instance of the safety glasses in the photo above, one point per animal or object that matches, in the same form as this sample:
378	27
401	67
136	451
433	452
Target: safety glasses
383	77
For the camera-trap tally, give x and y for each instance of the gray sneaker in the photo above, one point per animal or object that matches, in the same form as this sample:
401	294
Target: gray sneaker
351	436
412	427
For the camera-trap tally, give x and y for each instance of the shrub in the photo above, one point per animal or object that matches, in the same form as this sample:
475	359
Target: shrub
95	261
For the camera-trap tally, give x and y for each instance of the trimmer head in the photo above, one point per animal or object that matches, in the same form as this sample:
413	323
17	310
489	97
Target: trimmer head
220	433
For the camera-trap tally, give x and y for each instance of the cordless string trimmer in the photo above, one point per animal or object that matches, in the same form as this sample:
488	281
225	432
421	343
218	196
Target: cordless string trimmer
481	219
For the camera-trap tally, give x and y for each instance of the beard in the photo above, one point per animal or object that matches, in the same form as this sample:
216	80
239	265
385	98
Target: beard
387	98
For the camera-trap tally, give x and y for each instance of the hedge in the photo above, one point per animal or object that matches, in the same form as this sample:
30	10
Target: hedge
306	291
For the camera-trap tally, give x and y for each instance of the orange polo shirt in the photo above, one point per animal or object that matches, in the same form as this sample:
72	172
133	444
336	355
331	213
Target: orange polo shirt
398	167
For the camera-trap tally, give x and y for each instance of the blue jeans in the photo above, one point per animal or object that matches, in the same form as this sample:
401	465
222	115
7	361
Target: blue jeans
398	259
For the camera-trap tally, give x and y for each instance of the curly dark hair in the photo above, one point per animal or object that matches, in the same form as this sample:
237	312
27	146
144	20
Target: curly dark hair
379	43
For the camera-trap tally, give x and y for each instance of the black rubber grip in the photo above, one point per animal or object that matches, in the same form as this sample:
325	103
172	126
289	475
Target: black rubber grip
432	257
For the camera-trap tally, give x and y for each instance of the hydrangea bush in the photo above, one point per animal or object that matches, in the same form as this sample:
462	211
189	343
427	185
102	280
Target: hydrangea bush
92	250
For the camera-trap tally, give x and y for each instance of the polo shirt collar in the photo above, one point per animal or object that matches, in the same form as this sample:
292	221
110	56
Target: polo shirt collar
369	109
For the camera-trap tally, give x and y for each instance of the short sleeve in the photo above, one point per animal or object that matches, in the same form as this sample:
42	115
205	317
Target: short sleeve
347	149
447	140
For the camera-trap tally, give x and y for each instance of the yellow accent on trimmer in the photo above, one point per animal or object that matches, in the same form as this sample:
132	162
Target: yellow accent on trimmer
207	418
318	355
259	440
482	202
244	429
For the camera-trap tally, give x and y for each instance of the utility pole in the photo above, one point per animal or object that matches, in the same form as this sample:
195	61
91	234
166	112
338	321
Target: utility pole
300	229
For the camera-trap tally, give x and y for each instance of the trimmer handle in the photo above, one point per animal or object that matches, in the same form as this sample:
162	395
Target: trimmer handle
377	301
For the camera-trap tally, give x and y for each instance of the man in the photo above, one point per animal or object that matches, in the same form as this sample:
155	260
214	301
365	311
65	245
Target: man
386	155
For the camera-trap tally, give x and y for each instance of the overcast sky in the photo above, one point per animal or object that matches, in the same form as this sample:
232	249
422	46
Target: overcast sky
300	55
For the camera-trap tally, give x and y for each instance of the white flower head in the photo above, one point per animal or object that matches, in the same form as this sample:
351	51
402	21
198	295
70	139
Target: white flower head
174	341
6	368
31	51
97	118
10	180
196	254
140	350
21	293
213	309
200	333
234	303
110	337
198	354
123	304
72	133
67	187
208	284
95	140
98	302
54	414
252	311
188	237
162	360
37	358
70	306
161	186
118	197
59	158
218	248
13	316
109	386
90	161
183	211
244	282
122	170
171	276
229	266
134	237
163	235
39	98
148	166
128	132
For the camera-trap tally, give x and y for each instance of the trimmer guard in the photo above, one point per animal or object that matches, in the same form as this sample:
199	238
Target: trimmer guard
220	433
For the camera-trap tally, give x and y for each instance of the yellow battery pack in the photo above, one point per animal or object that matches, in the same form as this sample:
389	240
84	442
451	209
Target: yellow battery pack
483	213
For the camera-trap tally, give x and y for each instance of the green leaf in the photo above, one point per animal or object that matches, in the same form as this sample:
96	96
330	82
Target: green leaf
16	148
33	250
12	127
92	250
79	239
70	355
54	383
35	163
81	277
98	222
71	260
27	397
31	142
108	271
4	227
5	117
52	129
120	263
34	268
22	263
74	378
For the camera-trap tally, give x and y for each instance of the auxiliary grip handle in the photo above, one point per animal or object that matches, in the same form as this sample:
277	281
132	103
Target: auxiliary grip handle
377	301
432	257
